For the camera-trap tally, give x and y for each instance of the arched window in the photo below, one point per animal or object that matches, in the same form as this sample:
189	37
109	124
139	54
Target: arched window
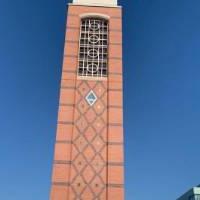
93	48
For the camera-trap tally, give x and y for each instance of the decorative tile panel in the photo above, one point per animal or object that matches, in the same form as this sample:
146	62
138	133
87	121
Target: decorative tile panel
89	144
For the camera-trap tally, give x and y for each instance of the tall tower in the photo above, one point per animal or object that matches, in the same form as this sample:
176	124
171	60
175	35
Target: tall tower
88	161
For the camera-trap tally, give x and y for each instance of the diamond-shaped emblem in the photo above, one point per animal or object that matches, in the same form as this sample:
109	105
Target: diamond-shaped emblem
91	98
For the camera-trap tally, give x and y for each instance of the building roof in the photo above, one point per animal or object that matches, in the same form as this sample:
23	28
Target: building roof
193	191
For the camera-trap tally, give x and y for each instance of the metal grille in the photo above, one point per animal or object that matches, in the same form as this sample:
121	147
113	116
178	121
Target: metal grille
93	49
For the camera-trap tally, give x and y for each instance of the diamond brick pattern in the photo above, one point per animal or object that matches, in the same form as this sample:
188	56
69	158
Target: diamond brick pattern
80	143
90	134
81	124
91	116
80	162
99	107
89	145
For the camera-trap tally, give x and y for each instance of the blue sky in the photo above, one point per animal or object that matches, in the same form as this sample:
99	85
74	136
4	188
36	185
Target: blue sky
161	96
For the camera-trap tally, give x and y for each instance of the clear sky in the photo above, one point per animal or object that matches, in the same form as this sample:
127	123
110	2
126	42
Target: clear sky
161	96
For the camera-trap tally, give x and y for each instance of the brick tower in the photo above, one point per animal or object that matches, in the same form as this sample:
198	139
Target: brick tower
88	161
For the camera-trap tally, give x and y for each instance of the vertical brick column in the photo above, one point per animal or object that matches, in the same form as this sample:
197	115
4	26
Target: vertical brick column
115	112
65	124
88	160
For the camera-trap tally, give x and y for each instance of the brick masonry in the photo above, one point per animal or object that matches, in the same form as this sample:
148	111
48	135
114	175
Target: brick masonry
88	159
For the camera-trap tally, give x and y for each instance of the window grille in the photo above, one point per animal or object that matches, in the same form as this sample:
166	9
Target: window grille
93	48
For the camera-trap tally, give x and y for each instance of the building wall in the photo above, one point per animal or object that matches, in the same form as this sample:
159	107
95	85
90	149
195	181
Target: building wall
192	194
78	124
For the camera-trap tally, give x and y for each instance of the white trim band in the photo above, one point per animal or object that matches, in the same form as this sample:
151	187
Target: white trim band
96	2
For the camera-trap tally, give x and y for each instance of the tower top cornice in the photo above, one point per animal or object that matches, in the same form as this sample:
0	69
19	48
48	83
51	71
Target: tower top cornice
96	2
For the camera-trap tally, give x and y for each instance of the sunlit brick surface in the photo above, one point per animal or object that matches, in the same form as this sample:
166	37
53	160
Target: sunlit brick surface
88	159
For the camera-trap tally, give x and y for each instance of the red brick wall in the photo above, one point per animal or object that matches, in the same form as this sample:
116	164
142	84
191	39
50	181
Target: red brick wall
88	160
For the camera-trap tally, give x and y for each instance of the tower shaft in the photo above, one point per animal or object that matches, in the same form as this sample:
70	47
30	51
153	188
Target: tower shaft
88	160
